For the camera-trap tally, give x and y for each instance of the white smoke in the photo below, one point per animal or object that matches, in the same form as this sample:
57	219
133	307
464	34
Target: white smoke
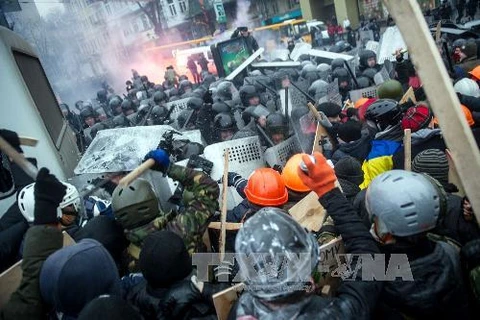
243	17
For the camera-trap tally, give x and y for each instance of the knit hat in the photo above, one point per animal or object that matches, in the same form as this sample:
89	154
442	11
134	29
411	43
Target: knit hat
348	168
108	308
330	109
433	162
164	259
417	117
73	276
350	131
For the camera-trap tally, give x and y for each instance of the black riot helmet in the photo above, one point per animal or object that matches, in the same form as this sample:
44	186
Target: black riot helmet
158	114
384	112
128	105
221	107
224	91
224	121
114	104
184	87
276	124
341	74
102	95
337	63
364	56
121	121
195	103
159	97
246	93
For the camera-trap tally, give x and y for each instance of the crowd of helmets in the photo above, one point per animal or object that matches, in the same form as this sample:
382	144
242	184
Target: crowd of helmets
378	208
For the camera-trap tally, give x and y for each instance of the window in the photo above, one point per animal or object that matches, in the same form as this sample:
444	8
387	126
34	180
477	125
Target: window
135	27
171	6
183	6
108	8
42	94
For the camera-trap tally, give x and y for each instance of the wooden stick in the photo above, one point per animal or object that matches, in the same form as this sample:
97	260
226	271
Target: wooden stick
231	226
27	141
129	178
409	94
438	88
18	158
407	148
223	216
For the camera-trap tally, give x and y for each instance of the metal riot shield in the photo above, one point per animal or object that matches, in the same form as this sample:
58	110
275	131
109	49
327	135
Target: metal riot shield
333	93
304	127
391	40
179	105
382	76
370	92
122	149
279	154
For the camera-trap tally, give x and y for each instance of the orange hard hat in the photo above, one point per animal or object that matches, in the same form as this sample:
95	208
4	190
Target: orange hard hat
475	73
265	188
468	115
360	102
290	174
466	112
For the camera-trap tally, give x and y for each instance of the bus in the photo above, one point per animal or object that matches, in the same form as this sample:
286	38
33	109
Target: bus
296	29
30	108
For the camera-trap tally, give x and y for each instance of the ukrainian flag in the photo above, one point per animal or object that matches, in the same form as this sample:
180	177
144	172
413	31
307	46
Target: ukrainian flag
378	160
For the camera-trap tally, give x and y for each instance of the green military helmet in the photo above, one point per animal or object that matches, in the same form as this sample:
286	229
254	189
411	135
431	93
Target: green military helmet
135	205
390	89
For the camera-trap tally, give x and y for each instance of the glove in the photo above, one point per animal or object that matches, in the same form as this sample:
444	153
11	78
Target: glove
324	120
320	177
162	160
180	297
48	193
12	138
233	179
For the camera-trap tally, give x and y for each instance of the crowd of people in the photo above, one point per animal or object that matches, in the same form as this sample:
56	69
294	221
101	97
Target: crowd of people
133	259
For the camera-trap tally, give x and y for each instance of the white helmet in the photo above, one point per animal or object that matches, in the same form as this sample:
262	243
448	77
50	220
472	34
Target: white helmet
26	201
467	87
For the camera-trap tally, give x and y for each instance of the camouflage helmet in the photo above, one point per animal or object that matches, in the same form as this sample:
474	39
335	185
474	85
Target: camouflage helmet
135	205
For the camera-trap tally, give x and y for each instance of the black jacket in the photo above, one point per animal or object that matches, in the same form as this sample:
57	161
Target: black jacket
354	299
421	140
437	291
152	303
454	225
358	149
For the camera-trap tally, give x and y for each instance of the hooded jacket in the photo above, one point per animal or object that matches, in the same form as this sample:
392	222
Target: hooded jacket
421	140
358	149
437	291
73	276
26	302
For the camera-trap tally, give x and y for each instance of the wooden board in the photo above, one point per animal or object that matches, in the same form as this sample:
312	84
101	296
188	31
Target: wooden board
224	300
440	93
328	260
27	141
9	282
10	279
308	212
231	226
